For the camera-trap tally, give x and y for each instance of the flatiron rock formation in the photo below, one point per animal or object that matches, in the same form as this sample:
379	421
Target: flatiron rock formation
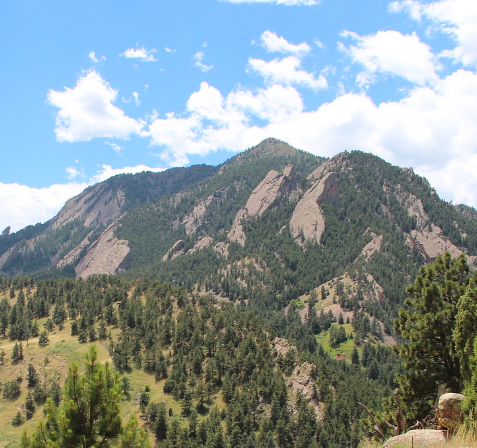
308	222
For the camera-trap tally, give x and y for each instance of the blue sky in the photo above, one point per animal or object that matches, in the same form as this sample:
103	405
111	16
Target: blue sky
92	89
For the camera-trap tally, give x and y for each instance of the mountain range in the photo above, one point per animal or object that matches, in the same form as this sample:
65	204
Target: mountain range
229	280
269	226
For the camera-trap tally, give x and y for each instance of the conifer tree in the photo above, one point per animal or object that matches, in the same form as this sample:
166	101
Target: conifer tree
43	340
29	406
89	414
427	326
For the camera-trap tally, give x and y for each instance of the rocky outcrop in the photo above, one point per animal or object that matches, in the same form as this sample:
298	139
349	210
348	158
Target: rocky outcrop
283	346
222	249
373	246
449	413
7	255
430	242
6	231
427	238
96	206
307	223
107	255
236	233
262	198
192	221
176	250
302	380
74	254
418	438
201	243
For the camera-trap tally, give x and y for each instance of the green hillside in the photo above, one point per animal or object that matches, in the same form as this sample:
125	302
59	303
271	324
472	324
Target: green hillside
215	368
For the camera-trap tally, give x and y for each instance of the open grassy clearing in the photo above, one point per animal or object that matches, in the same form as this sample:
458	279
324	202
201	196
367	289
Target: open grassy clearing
52	361
339	351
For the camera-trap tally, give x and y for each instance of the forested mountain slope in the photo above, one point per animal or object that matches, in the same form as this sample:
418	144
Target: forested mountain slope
271	225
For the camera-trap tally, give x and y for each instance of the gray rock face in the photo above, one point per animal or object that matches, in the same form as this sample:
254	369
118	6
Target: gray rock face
6	231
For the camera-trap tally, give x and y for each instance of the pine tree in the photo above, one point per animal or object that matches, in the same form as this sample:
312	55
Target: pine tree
160	425
18	419
15	352
89	415
32	377
29	406
43	340
355	357
132	436
187	402
427	326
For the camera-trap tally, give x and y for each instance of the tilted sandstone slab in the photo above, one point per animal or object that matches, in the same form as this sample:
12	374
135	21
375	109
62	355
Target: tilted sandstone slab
95	206
194	219
176	250
373	246
308	222
107	255
262	198
74	254
201	243
427	238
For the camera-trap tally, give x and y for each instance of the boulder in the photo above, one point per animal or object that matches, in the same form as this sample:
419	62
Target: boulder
449	413
418	438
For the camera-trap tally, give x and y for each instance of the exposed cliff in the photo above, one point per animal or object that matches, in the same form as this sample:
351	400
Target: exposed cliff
307	223
273	186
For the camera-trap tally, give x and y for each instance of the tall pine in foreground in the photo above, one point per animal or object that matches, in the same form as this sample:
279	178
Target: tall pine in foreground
432	349
89	413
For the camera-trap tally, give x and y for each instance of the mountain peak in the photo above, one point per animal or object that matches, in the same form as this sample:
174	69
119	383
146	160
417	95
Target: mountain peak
270	147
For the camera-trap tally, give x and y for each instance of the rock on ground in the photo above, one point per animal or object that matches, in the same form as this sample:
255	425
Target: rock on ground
418	438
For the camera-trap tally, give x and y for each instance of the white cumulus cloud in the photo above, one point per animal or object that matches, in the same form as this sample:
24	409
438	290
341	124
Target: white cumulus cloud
275	104
108	171
457	18
432	129
275	44
286	71
21	205
143	54
390	52
215	122
87	111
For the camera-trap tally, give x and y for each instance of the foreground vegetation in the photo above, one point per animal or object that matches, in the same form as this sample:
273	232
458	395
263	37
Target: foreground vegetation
195	371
